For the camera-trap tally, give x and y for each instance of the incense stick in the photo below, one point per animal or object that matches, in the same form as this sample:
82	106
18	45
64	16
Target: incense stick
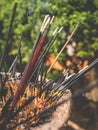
30	66
8	35
62	48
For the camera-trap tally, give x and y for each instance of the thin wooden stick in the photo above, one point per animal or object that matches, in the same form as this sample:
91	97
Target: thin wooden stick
62	49
74	125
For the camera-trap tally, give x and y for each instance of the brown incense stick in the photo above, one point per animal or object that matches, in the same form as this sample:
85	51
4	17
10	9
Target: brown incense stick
30	66
62	49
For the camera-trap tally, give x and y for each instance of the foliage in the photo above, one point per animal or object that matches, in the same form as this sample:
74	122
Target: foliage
67	13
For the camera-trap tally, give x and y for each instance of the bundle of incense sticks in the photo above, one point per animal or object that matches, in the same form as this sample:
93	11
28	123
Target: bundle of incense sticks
29	98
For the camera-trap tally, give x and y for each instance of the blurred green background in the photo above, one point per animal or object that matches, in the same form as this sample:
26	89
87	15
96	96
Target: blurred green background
29	17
